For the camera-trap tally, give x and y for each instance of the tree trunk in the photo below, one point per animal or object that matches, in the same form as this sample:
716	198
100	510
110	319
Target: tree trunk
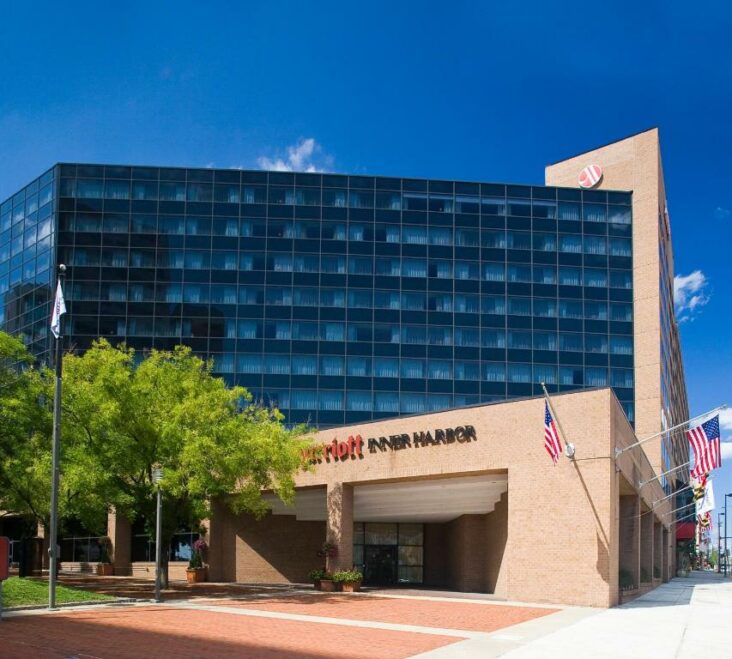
164	572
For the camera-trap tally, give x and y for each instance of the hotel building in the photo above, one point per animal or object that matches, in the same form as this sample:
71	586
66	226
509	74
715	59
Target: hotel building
376	308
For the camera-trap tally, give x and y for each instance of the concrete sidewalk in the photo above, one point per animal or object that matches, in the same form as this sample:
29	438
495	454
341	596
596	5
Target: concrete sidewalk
686	618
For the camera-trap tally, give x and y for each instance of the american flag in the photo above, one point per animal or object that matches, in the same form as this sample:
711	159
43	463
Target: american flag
551	438
705	442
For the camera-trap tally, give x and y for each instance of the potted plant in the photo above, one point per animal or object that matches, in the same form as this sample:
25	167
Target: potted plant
317	576
196	571
104	565
349	580
327	584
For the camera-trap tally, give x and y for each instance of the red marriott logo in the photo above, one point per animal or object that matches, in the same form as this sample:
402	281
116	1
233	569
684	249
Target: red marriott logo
352	448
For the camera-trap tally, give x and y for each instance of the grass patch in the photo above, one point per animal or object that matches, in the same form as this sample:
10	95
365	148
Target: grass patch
30	592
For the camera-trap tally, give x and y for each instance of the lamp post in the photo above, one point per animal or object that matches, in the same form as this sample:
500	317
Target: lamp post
719	538
157	476
725	532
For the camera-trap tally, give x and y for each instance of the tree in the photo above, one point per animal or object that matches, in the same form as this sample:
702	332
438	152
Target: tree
25	433
123	416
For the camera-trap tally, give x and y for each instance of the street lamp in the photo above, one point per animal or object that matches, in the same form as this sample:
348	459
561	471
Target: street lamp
719	538
157	476
725	532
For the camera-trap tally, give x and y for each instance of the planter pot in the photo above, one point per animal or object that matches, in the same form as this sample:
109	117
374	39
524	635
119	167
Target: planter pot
327	585
105	569
351	586
316	584
195	574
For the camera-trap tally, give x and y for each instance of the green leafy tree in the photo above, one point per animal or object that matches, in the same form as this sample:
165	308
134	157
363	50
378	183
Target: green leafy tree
123	416
25	432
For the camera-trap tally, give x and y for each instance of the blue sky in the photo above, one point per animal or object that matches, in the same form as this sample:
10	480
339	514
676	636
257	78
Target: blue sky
469	90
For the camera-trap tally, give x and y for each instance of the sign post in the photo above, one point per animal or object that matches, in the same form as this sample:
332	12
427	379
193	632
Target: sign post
4	565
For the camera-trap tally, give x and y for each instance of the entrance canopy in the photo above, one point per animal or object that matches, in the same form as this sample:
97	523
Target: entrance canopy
434	500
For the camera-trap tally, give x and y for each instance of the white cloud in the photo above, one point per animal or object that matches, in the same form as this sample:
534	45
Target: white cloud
725	421
304	156
726	451
690	294
722	213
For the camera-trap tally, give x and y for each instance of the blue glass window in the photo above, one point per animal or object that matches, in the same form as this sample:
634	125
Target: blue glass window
519	373
277	364
358	401
570	375
495	372
570	244
518	240
569	211
439	369
467	270
545	242
596	343
621	311
358	366
332	365
494	272
386	402
619	214
410	301
518	273
304	365
544	373
494	338
493	304
570	342
386	367
545	274
621	279
570	308
465	303
308	297
494	239
415	268
621	345
620	247
332	331
595	245
595	278
412	368
545	341
595	376
443	236
594	213
467	370
333	264
414	235
519	306
519	340
386	300
595	310
621	377
570	276
467	336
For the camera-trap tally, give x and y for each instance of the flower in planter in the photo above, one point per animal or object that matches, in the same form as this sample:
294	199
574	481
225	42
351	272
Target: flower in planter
347	576
199	549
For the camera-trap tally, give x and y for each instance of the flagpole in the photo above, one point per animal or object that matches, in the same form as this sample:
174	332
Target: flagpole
568	448
620	451
55	444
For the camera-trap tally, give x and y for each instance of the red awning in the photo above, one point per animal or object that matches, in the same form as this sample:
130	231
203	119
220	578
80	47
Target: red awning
685	530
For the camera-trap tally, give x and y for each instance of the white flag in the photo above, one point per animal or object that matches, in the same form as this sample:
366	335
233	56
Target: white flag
59	309
706	503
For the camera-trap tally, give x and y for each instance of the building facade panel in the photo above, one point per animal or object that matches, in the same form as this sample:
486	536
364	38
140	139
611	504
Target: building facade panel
342	299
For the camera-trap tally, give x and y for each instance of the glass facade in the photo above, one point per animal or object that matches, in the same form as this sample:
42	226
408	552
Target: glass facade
337	298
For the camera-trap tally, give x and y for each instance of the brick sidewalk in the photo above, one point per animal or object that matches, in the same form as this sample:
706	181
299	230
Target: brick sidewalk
475	616
142	632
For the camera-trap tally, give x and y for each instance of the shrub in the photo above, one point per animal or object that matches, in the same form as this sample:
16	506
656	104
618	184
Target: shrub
319	575
347	576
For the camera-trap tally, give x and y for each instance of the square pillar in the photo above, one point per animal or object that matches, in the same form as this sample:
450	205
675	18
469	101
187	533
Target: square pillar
658	550
339	526
666	562
646	559
119	531
629	510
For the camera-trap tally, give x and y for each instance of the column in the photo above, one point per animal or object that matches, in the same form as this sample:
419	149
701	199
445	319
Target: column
629	541
339	526
646	562
119	531
658	549
666	563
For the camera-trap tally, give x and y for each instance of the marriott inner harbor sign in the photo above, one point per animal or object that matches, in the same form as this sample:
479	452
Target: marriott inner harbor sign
356	447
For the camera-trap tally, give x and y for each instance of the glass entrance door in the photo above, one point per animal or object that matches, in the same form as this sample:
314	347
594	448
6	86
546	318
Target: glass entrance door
380	567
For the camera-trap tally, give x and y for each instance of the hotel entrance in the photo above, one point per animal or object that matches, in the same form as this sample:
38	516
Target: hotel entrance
389	553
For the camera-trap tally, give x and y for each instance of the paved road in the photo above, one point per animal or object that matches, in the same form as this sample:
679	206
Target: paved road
687	618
